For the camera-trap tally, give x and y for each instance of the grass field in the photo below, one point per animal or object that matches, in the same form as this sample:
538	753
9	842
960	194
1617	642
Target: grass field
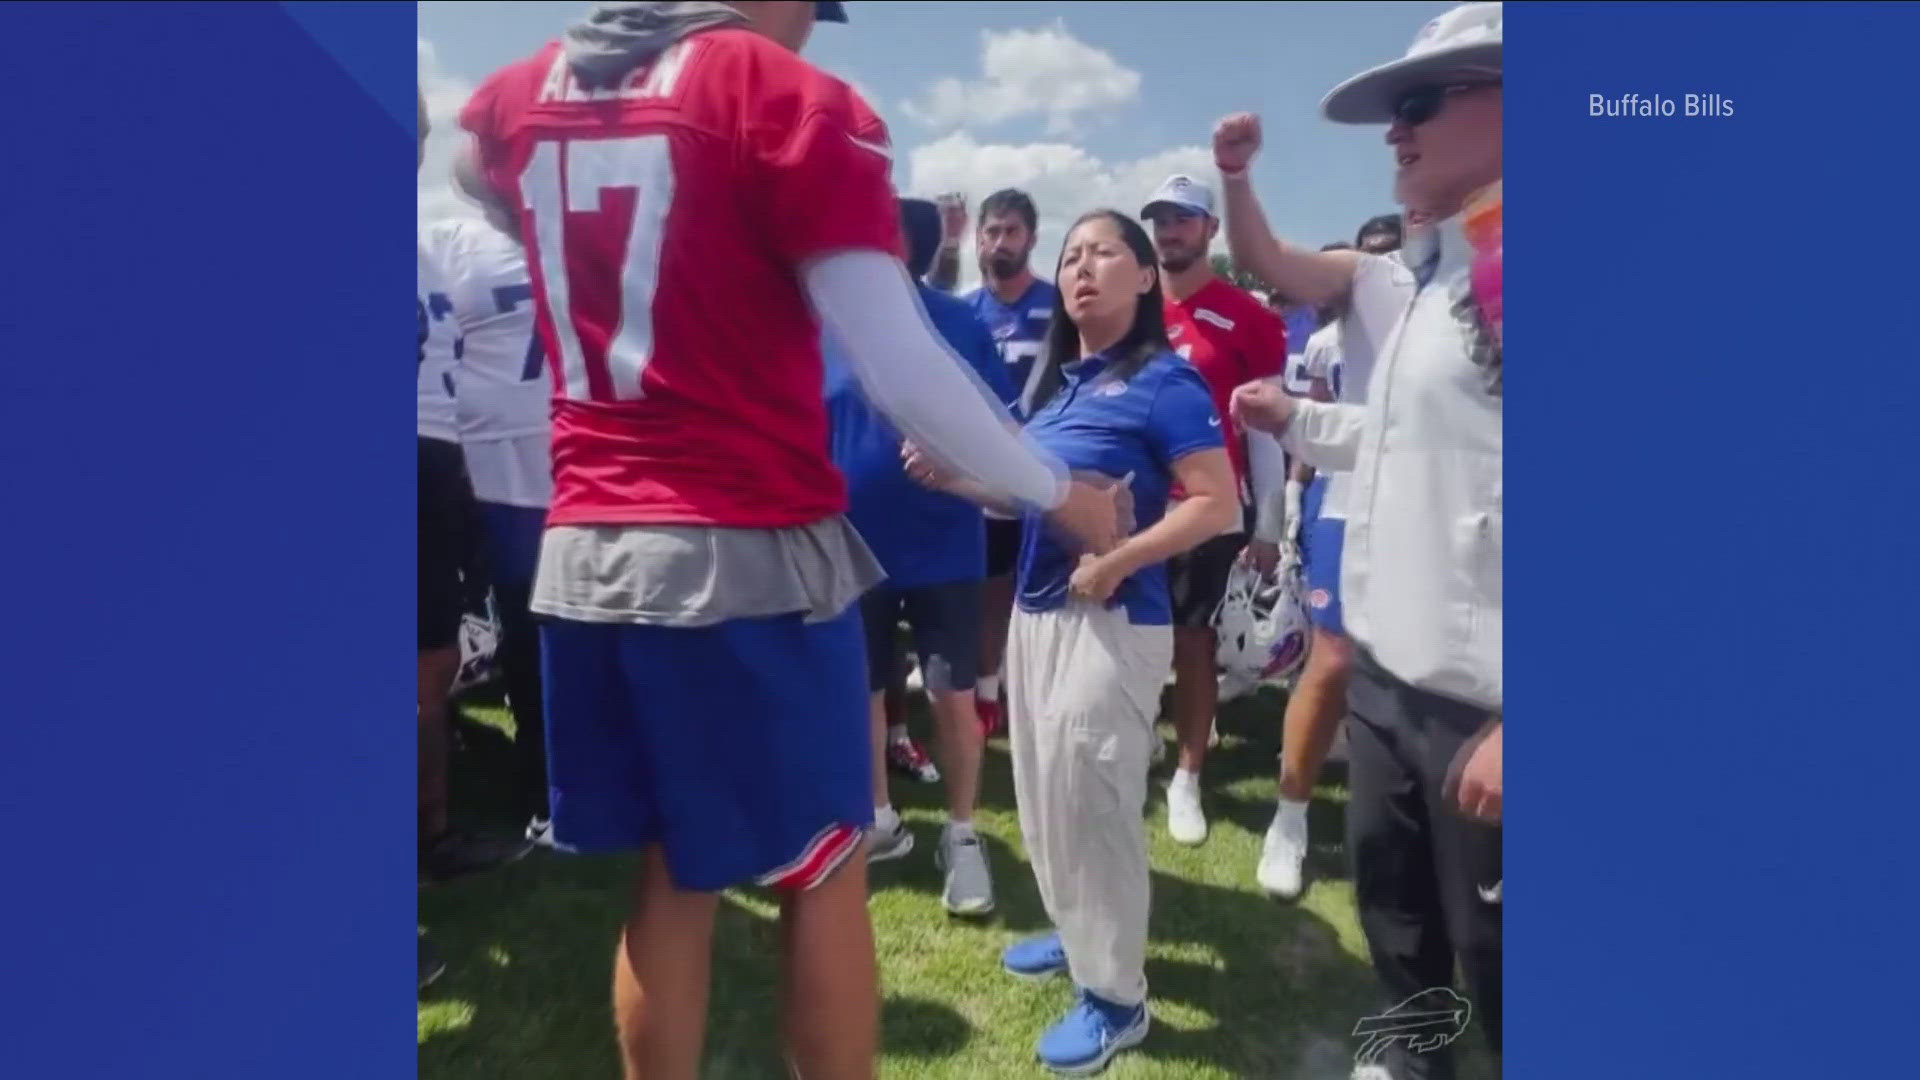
1242	986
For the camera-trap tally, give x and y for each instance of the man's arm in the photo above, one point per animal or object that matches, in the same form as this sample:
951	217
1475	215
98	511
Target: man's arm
914	379
1326	435
945	274
1302	276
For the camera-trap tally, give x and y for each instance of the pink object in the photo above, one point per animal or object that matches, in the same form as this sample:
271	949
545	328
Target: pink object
1484	229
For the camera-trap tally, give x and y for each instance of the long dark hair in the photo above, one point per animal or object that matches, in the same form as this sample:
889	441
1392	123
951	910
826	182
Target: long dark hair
1145	338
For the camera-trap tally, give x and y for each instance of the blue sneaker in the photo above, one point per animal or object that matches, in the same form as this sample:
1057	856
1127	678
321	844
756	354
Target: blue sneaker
1035	958
1086	1038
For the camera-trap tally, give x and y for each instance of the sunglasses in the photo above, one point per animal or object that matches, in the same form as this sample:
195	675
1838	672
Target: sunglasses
1421	104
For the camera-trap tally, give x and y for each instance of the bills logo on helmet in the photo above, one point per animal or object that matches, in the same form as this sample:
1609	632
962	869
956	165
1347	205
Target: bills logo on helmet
1262	629
1286	655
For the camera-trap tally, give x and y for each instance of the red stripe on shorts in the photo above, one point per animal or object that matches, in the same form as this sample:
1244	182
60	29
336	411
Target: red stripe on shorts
817	862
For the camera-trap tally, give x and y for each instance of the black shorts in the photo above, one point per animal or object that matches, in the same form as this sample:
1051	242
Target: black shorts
445	500
945	621
1003	547
1197	580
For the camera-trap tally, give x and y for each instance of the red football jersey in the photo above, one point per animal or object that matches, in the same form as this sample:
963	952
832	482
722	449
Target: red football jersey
666	219
1232	338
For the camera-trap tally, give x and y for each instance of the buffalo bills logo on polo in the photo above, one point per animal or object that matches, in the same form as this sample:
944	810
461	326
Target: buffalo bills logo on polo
1110	389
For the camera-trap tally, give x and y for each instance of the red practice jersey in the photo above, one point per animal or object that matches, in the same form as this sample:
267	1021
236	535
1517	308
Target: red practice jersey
666	218
1231	338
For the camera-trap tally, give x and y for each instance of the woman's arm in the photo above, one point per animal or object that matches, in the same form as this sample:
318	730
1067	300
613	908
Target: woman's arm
1209	510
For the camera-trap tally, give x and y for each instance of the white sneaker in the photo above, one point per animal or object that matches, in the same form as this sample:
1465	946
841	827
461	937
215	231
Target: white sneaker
1370	1072
1186	821
969	885
1283	852
540	831
889	843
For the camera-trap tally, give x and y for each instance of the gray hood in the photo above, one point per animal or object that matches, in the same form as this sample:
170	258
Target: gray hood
615	38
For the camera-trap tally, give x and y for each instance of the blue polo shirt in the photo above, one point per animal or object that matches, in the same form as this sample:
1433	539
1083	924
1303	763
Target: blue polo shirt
921	537
1099	424
1020	331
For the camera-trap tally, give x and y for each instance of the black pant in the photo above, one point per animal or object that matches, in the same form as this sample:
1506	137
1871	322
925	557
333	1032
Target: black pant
446	532
1422	872
519	659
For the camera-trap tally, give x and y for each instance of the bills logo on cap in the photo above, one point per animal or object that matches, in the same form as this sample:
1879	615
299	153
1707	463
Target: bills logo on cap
1184	192
1319	598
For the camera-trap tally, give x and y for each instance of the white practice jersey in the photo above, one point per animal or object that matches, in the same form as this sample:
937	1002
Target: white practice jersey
503	392
435	418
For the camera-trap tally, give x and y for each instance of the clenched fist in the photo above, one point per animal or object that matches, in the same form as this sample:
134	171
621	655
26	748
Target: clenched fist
1261	406
953	216
1236	140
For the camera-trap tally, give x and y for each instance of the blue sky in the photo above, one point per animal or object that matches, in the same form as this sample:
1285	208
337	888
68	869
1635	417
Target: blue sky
1081	104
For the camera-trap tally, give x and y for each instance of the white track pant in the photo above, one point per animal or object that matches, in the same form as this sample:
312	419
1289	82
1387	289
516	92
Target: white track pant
1083	686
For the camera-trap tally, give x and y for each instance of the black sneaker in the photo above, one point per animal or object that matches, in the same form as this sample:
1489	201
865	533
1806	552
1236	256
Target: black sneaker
456	854
431	966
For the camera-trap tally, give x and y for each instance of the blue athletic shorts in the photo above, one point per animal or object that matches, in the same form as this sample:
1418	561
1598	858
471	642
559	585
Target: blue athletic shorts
743	747
1321	542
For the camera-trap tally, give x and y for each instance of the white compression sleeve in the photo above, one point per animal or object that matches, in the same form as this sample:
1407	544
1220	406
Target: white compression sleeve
866	302
1267	461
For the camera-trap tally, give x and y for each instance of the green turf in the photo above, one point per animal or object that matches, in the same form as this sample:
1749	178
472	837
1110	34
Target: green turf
1242	986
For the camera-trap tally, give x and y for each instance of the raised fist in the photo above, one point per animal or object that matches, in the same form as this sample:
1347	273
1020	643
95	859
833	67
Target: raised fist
953	216
1235	140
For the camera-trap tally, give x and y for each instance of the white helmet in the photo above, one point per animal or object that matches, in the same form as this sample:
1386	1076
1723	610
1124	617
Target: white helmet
479	649
1262	627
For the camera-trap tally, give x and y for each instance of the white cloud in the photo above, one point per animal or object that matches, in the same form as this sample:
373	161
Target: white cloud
1044	72
445	95
1064	180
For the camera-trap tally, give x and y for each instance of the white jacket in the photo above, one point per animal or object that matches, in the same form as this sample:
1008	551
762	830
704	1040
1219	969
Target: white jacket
1421	573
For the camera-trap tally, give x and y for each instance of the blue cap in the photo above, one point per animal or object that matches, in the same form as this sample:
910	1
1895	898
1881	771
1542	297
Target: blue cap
829	11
